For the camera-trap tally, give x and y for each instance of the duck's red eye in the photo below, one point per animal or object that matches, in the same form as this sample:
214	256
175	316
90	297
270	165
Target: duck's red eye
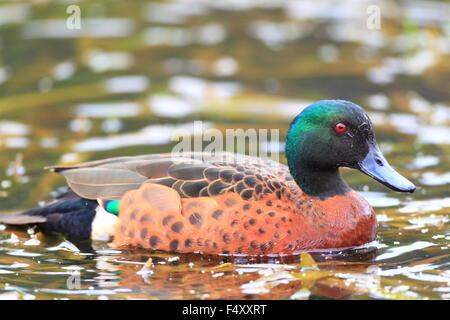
340	127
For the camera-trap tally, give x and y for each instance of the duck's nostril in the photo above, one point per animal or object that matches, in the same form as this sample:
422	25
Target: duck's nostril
379	162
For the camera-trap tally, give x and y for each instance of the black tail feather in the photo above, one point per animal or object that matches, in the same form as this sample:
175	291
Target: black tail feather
68	214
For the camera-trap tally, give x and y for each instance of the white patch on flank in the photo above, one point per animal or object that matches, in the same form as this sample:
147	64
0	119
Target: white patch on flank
103	225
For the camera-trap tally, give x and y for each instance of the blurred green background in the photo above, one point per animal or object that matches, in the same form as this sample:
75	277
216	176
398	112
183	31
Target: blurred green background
138	70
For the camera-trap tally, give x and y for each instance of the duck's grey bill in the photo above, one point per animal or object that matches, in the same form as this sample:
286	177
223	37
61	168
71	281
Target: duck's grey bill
376	166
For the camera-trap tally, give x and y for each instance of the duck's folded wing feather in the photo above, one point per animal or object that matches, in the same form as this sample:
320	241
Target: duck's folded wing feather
111	179
102	183
189	176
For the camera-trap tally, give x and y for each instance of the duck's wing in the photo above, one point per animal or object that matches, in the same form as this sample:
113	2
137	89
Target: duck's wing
190	174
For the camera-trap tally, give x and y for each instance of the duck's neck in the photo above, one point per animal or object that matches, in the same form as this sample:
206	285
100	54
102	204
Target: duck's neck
314	170
321	183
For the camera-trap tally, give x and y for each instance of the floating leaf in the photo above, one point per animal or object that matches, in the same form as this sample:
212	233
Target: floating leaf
302	294
307	261
147	269
223	265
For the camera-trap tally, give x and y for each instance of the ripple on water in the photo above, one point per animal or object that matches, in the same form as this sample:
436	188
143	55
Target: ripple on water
379	199
425	205
137	83
435	179
393	252
23	253
423	162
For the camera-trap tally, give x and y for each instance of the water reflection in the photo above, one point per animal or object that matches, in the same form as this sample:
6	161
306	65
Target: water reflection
95	28
136	72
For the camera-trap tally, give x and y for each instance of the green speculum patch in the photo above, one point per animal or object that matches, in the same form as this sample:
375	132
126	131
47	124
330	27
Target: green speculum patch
113	206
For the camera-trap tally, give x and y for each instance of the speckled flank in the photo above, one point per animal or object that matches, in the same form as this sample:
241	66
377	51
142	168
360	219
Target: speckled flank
155	216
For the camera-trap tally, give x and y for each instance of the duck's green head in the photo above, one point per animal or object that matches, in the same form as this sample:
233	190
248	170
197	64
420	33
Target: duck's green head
335	133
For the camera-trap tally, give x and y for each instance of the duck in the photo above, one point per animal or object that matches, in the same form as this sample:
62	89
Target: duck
229	203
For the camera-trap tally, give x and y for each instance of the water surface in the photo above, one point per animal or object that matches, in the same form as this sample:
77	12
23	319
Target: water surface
138	70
